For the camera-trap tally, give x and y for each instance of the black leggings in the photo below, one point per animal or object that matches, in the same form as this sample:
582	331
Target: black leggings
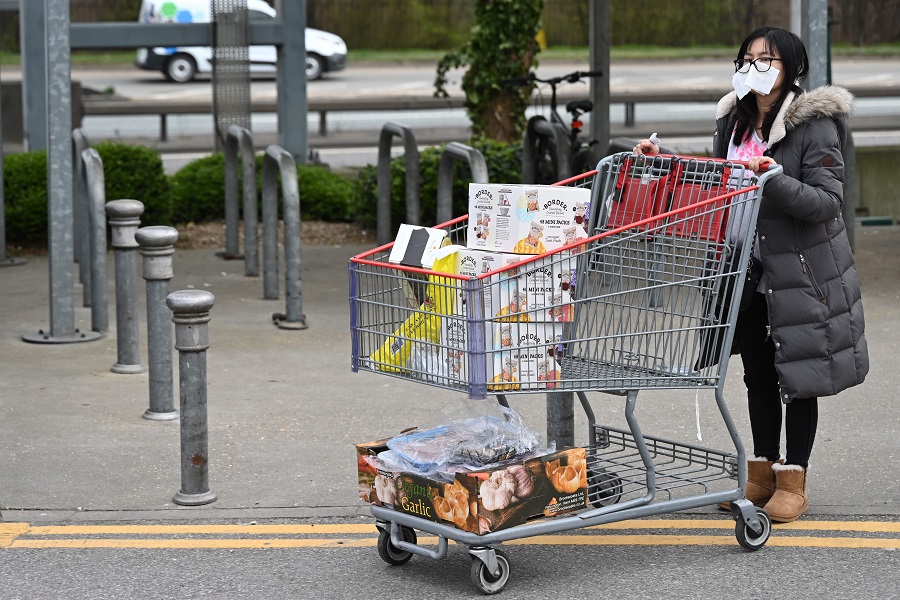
801	415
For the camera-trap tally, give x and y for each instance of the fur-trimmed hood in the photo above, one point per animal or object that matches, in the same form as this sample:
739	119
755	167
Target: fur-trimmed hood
827	101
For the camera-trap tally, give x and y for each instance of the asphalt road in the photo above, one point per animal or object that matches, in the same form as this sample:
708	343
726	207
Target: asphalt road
418	79
687	558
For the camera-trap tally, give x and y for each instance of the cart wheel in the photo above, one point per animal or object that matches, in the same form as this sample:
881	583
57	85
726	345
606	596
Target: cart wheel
605	488
487	582
746	536
390	553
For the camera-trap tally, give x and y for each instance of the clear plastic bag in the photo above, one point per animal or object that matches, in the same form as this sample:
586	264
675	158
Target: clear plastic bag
463	444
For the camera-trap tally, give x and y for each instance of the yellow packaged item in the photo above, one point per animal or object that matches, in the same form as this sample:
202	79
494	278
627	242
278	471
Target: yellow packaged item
424	324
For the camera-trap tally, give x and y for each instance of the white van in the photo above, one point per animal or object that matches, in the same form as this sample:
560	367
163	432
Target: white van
325	52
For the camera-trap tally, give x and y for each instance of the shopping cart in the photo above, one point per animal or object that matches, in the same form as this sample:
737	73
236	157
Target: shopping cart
649	302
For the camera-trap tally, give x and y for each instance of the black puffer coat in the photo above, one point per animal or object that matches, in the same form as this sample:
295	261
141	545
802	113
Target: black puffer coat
810	281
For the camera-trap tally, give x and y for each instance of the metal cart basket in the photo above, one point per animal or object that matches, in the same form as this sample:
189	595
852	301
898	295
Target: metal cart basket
647	301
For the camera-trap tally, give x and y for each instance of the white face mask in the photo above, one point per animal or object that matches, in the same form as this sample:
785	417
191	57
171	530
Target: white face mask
760	83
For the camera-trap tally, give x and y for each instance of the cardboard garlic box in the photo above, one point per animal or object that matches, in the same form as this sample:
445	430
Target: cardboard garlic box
480	501
521	219
525	356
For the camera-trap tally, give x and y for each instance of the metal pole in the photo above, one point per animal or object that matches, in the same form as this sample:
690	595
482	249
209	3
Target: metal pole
232	239
251	215
32	32
291	80
190	310
157	247
80	143
59	170
58	116
599	45
815	36
239	140
124	220
270	228
293	318
96	189
561	419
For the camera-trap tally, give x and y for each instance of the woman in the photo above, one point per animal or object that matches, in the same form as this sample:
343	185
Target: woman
802	335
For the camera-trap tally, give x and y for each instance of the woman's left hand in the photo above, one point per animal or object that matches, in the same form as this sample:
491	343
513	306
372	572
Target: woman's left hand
756	162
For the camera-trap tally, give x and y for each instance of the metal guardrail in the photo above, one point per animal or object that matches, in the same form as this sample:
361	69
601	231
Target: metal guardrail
411	154
95	215
81	242
394	103
239	141
278	161
453	153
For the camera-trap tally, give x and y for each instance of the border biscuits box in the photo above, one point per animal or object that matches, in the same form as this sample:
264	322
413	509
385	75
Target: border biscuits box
497	288
493	293
531	219
545	286
479	501
525	356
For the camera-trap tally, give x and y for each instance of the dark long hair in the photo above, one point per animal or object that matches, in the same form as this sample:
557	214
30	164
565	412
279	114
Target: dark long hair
794	65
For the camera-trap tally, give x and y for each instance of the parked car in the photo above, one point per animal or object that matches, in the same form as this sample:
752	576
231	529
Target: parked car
325	52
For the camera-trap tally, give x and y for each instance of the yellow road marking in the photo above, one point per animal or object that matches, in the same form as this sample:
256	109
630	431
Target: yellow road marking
10	531
297	529
23	535
705	540
219	544
202	529
547	540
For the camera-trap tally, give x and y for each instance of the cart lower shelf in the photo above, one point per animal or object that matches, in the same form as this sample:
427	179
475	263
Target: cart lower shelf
621	486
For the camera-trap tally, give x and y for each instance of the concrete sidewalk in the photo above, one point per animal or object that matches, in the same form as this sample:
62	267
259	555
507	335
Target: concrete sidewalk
285	408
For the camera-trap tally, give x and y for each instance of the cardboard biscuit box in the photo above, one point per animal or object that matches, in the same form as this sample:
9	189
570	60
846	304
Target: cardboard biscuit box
545	286
531	219
480	501
495	290
525	356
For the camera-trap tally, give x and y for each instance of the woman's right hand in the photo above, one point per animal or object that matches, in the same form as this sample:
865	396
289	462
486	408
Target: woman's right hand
646	147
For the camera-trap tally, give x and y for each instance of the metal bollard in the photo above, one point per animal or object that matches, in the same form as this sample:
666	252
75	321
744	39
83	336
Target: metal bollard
157	247
190	310
124	220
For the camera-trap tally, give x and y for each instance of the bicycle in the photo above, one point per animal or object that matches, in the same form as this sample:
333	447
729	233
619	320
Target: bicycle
555	150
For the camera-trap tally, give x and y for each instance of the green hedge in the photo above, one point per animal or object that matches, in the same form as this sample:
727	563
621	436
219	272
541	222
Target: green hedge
136	172
25	194
129	171
196	192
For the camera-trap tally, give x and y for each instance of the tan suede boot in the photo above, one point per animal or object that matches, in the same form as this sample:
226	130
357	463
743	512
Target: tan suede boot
789	502
760	482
